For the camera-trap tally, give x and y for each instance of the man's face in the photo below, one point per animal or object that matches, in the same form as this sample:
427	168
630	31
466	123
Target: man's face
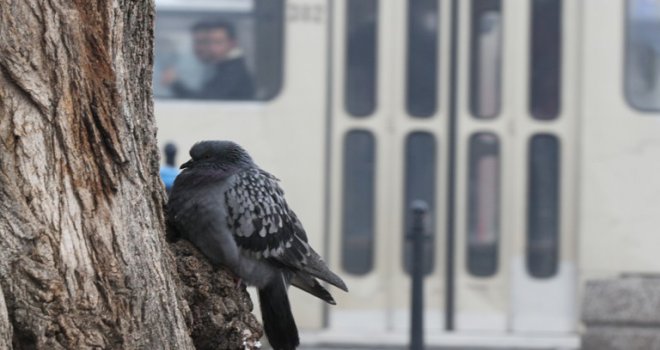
201	45
219	44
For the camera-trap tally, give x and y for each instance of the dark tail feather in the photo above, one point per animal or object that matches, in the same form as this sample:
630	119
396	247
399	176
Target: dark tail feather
310	285
276	314
317	268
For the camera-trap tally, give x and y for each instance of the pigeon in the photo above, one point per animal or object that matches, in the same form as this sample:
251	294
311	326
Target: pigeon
235	213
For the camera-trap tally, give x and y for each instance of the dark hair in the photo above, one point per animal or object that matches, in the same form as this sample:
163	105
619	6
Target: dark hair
170	153
218	24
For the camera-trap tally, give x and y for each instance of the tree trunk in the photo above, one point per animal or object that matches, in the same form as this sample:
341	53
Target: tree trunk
83	259
5	326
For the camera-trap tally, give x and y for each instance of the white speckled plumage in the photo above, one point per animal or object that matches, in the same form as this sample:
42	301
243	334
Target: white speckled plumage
236	214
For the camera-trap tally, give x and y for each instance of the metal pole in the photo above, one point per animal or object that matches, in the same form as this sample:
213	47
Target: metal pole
418	236
451	167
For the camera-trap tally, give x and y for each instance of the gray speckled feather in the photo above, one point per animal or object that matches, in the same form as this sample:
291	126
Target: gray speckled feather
264	226
236	214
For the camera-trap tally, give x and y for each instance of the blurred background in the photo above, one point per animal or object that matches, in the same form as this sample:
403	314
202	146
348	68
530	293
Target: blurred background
530	129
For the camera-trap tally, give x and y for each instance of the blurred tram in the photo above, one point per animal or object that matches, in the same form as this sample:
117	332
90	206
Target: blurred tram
531	128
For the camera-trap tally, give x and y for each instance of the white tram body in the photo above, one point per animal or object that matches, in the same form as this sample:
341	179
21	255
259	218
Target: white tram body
530	127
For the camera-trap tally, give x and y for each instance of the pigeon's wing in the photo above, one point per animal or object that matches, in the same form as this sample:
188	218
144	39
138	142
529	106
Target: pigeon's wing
259	218
265	228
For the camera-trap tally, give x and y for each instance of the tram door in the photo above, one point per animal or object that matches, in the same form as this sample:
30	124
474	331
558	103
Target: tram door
386	151
516	164
490	147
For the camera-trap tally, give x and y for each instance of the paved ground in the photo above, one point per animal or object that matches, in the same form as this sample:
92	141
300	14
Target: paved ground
454	341
380	347
326	340
405	348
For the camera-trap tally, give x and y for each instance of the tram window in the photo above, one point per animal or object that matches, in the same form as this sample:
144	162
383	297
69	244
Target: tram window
545	65
483	204
543	206
485	60
420	185
422	61
642	72
232	50
358	202
361	62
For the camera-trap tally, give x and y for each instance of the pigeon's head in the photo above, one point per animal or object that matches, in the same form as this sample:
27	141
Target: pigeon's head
216	154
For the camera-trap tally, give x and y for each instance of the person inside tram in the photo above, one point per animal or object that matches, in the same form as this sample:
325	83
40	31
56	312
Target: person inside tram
215	45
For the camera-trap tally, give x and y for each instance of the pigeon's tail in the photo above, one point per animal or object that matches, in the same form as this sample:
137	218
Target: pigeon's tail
276	313
317	268
310	285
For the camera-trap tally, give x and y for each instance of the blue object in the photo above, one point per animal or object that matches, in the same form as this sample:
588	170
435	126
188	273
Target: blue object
168	173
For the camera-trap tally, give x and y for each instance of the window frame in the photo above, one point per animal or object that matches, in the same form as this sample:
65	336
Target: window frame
179	8
347	87
346	211
434	75
430	249
626	59
533	63
532	203
474	76
496	245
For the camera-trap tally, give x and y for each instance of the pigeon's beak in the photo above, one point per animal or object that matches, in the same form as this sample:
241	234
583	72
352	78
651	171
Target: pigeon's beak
186	164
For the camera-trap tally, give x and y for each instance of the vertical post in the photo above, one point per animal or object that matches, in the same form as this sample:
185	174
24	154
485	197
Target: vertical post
451	165
417	235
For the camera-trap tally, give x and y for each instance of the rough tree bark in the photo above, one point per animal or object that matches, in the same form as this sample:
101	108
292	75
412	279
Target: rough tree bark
5	326
83	261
